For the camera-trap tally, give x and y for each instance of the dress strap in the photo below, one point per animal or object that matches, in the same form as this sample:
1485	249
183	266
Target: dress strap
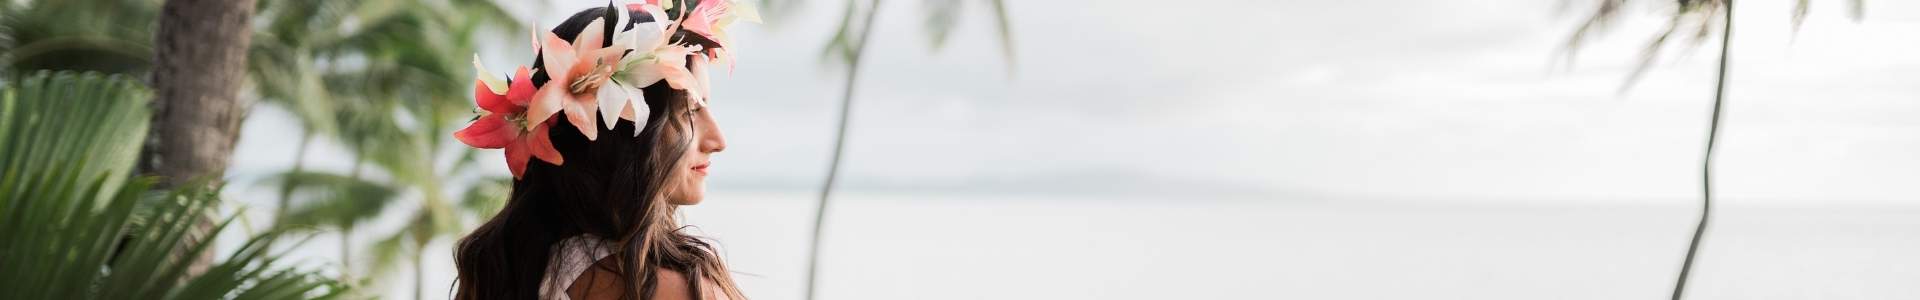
578	254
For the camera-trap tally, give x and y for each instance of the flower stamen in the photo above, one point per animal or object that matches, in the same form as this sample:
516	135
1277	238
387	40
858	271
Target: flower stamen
592	80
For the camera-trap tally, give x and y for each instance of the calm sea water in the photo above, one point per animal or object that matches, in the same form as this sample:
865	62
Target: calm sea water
990	247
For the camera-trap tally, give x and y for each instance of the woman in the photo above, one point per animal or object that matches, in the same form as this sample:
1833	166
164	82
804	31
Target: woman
614	110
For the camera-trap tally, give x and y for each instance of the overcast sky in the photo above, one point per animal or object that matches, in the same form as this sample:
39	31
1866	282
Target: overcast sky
1410	100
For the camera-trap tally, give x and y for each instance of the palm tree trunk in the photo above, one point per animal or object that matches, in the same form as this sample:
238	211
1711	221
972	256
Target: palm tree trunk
839	147
286	188
199	65
1706	167
419	271
199	62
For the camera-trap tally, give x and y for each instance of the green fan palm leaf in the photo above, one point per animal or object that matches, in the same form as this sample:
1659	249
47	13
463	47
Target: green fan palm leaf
77	228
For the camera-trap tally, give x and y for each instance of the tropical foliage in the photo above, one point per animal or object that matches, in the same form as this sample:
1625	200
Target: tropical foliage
345	69
1689	23
78	228
386	79
78	35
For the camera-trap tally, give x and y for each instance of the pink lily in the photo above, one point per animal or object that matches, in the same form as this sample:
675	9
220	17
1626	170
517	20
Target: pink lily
577	72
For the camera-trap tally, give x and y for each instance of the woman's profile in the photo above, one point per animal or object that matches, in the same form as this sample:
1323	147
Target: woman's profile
606	134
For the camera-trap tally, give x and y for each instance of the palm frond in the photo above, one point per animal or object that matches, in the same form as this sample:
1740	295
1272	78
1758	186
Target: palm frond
389	252
1857	10
77	229
335	200
77	35
486	196
1698	18
1690	23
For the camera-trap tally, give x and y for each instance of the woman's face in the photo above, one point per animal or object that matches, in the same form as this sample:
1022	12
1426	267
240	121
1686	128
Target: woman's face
690	185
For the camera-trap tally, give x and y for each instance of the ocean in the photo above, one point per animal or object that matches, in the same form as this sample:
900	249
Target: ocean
901	246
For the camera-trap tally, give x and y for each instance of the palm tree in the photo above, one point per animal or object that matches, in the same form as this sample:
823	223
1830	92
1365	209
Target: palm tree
406	155
293	52
78	227
393	51
411	54
199	64
1699	18
287	55
410	160
421	72
847	46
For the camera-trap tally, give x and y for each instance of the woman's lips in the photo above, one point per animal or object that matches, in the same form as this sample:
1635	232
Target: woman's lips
701	168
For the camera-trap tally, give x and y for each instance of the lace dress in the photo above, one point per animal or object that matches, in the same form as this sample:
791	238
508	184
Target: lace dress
581	252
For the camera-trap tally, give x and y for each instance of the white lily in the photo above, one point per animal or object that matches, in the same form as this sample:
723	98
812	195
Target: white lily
654	58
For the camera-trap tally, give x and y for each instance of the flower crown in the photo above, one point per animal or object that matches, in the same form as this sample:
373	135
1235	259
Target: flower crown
585	77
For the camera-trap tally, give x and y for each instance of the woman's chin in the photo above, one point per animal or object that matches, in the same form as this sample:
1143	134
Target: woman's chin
694	193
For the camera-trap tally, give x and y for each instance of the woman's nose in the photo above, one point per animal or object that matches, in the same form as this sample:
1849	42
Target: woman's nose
712	141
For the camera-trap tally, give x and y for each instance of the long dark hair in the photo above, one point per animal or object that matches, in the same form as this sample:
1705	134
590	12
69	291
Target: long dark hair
612	188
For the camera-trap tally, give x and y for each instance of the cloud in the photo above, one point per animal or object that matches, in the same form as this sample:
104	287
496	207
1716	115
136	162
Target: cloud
1421	100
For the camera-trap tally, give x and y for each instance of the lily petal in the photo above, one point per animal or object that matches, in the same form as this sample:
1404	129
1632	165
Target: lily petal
624	39
533	36
628	114
490	101
650	35
493	82
541	146
547	101
558	57
746	12
698	67
635	109
700	21
672	66
622	17
592	37
520	91
489	132
579	110
613	99
643	73
517	159
722	56
644	36
675	72
609	56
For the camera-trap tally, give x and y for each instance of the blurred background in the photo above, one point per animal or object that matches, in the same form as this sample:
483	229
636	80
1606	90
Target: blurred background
1375	149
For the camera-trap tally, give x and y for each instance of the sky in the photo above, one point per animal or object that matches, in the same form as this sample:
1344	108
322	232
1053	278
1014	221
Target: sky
1444	102
1399	104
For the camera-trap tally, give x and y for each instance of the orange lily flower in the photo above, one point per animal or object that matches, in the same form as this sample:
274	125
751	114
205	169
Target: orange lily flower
505	124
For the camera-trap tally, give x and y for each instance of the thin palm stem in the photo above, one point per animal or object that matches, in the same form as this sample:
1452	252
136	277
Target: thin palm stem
419	272
346	232
839	147
286	188
1706	167
346	252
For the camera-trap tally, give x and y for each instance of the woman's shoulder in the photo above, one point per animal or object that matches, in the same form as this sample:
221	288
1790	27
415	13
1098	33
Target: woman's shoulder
603	283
